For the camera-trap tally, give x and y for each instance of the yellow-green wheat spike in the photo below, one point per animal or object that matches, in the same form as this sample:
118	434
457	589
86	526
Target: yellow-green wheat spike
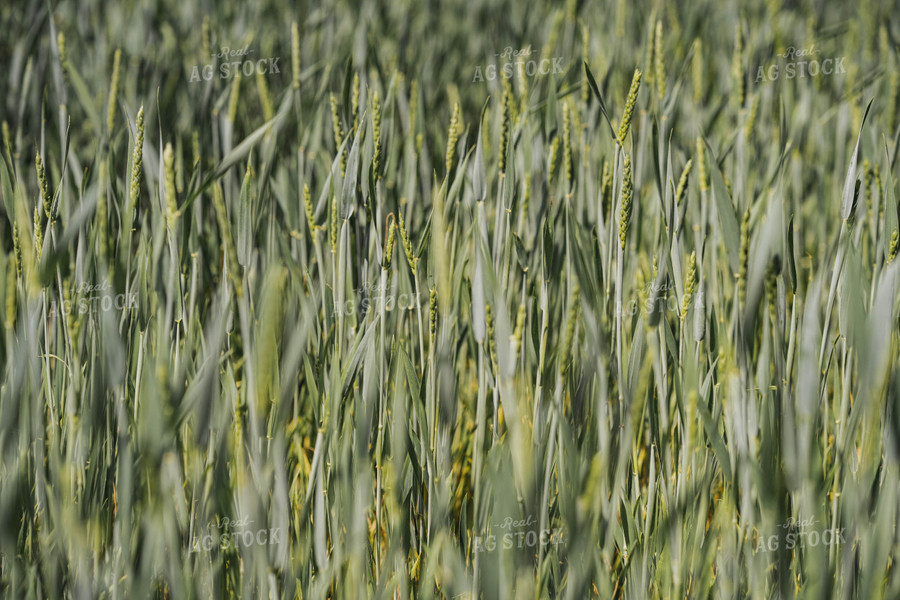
522	78
627	195
876	174
334	224
17	248
892	252
310	212
697	70
504	129
389	247
507	89
492	349
744	255
571	317
520	328
689	281
63	56
683	182
227	239
554	152
751	117
38	233
629	107
354	100
407	245
452	137
338	131
42	183
649	69
265	99
233	100
137	161
171	202
113	92
867	170
376	133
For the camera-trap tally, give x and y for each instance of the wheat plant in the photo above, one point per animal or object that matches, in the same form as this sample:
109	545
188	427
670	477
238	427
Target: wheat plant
322	301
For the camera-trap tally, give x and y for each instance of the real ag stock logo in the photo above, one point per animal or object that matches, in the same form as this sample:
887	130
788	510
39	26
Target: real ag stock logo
520	66
801	63
229	69
229	534
799	533
518	534
94	298
377	297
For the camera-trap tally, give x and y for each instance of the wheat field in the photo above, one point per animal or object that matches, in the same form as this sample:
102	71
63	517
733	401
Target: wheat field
460	299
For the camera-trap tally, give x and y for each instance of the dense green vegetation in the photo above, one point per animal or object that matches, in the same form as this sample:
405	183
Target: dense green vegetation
456	299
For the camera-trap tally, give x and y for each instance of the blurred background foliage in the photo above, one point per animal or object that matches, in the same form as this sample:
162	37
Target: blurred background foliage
534	378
